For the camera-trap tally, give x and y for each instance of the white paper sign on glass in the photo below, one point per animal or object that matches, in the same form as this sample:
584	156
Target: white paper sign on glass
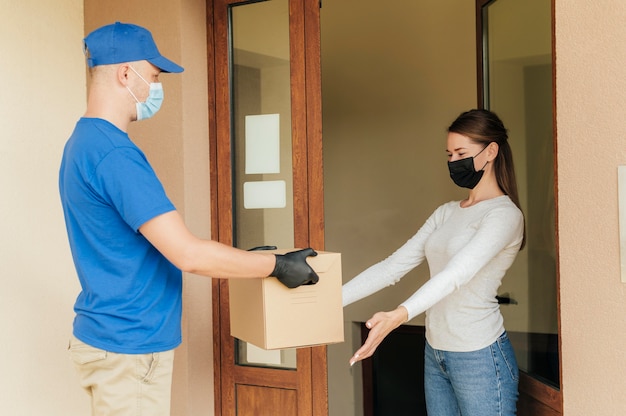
256	355
264	194
262	134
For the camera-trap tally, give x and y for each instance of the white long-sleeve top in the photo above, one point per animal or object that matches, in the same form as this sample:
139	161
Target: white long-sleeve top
468	252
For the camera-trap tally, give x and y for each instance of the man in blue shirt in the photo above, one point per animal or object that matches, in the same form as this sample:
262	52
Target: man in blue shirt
128	242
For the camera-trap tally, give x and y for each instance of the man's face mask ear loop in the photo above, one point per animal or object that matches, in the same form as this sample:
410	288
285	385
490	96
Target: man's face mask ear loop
154	101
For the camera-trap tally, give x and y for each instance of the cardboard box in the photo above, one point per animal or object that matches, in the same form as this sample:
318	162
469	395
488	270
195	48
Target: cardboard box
269	315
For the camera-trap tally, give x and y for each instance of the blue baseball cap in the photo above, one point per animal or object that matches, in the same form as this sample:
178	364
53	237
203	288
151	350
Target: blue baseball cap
124	42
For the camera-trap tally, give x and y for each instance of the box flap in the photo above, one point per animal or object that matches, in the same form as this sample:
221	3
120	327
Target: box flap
322	264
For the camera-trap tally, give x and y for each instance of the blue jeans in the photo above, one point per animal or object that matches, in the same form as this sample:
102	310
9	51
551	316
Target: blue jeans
476	383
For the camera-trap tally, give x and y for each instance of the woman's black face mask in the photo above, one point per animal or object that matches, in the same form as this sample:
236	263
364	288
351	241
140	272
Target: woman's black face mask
463	173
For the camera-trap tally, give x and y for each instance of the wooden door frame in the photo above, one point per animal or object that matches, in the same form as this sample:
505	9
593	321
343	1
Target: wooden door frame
306	102
531	387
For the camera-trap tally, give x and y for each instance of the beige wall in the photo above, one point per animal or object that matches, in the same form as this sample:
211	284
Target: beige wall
43	93
591	106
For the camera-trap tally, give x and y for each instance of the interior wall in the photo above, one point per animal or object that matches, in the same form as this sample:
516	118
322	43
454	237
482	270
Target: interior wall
384	143
591	108
43	92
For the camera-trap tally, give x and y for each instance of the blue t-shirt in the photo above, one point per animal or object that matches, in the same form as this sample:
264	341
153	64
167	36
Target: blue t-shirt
131	297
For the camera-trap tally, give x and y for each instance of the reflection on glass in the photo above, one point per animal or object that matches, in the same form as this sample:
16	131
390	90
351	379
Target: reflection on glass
251	355
518	86
261	114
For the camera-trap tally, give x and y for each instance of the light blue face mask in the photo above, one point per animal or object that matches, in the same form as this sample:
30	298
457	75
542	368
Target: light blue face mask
153	103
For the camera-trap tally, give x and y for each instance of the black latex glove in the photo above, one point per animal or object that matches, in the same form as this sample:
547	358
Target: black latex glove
261	248
292	270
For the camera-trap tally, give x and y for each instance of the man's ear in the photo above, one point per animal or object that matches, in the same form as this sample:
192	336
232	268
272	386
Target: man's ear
122	74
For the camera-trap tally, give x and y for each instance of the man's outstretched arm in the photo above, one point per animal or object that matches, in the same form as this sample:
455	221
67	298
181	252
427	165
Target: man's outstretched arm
169	234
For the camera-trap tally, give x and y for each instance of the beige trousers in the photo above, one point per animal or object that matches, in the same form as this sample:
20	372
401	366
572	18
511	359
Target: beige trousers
124	384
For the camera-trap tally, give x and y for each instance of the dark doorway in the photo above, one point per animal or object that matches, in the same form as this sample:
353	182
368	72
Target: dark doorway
393	379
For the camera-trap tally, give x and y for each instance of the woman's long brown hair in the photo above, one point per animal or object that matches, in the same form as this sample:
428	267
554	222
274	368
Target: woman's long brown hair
484	126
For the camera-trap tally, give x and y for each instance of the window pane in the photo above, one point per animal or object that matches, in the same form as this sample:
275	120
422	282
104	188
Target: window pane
518	86
262	166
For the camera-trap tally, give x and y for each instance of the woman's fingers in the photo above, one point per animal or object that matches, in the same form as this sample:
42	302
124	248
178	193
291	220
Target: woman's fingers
378	331
380	325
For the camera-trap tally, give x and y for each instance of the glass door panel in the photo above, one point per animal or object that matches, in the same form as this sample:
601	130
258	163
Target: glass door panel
261	142
517	84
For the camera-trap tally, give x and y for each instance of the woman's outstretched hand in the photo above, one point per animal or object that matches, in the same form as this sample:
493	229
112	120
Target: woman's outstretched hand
380	325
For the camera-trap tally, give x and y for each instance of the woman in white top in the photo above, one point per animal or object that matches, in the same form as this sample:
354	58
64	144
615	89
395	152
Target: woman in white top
470	366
